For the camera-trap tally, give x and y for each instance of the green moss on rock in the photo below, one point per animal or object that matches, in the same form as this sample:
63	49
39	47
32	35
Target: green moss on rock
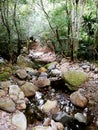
73	79
4	76
50	64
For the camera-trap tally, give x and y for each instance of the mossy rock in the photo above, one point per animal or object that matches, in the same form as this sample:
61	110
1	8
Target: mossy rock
4	76
8	69
38	64
73	79
24	61
50	65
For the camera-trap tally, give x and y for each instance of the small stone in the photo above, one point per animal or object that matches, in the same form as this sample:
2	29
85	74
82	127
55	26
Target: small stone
29	89
2	93
7	104
56	72
38	95
80	117
62	117
21	73
42	82
49	106
19	120
42	69
5	85
56	125
78	99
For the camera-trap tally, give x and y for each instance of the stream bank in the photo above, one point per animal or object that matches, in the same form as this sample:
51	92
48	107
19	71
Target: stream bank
39	93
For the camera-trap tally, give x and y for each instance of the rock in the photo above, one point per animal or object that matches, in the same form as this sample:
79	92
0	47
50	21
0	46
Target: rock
80	117
18	81
56	72
78	99
21	73
47	121
96	70
96	96
50	108
29	89
73	79
42	69
5	85
19	120
24	61
18	96
62	117
4	76
31	71
7	104
42	128
2	93
38	95
5	121
56	125
2	60
42	82
51	66
24	50
5	72
43	74
86	67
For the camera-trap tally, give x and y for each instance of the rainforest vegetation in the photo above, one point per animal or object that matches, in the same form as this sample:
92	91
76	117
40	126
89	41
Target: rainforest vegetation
69	27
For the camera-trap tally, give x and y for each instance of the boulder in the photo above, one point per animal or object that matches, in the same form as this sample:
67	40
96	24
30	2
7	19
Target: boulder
24	61
5	84
19	120
73	79
7	104
18	96
21	73
78	99
50	106
4	76
42	82
29	89
5	121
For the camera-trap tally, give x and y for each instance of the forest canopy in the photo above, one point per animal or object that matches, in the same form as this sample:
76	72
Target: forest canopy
70	25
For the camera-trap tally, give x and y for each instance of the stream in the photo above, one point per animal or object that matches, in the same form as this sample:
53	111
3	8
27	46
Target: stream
54	92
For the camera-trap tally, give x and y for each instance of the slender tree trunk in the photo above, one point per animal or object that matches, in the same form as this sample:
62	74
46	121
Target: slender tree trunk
17	30
76	24
68	45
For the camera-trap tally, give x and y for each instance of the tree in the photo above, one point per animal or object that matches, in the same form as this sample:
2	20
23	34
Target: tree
77	13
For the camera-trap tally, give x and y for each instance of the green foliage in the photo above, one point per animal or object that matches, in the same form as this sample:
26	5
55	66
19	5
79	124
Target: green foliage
31	20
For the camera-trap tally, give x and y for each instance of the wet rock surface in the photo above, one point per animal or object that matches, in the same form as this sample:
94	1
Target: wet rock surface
39	99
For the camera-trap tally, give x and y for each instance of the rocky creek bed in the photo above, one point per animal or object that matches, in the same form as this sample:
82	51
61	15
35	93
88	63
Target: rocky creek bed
42	92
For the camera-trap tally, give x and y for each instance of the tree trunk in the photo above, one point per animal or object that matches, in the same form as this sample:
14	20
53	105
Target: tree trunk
76	24
17	30
68	45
